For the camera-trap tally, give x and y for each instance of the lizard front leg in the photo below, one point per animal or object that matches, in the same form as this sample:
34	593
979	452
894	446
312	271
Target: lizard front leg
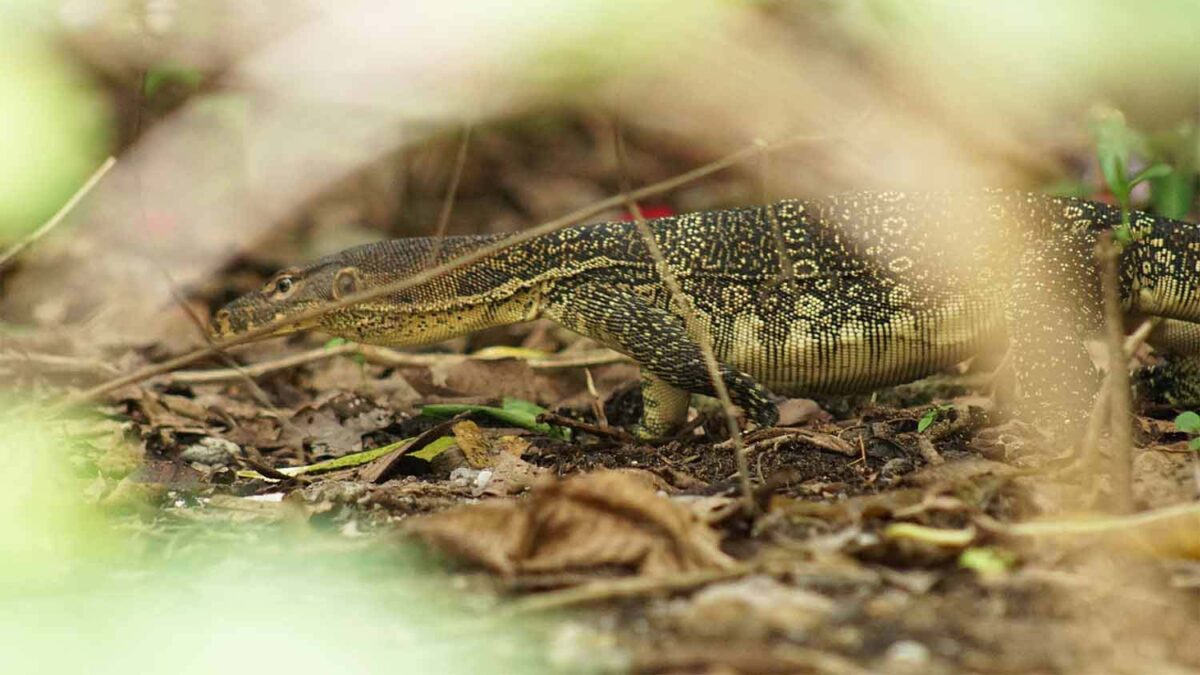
1053	306
671	359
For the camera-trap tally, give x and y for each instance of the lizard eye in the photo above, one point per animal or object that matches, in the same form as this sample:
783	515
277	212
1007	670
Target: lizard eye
281	286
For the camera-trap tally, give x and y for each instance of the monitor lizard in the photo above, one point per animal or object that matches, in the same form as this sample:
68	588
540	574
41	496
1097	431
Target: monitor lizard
834	295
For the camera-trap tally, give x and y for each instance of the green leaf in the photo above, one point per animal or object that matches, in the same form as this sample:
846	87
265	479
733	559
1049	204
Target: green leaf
359	458
1153	171
335	342
1194	444
515	412
522	406
1113	168
927	419
1172	195
1187	422
434	449
987	560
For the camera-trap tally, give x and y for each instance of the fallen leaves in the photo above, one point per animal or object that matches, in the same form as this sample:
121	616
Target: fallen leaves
336	426
599	520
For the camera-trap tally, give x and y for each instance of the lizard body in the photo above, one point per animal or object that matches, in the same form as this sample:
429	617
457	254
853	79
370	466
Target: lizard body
883	289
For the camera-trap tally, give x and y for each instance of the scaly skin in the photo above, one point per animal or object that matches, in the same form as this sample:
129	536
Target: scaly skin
887	288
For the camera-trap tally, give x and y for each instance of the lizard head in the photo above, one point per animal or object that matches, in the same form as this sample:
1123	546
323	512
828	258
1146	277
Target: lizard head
426	312
290	292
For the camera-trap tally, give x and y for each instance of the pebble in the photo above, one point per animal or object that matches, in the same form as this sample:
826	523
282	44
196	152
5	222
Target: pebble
211	451
907	656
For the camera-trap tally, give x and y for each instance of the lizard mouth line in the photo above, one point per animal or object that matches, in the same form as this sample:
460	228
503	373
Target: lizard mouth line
221	330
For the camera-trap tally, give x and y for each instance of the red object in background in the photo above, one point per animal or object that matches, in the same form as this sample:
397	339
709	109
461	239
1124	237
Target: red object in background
651	211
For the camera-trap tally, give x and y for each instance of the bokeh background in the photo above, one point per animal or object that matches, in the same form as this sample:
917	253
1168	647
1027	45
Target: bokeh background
252	135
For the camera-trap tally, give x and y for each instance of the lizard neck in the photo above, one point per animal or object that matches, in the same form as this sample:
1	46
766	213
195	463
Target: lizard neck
1159	268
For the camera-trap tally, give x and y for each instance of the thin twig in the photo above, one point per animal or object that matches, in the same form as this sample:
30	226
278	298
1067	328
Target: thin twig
633	587
58	362
1119	415
460	161
602	430
694	327
59	215
787	269
597	402
384	357
423	276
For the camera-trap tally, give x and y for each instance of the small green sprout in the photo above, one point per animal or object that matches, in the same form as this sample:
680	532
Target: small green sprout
1189	423
932	416
987	561
1116	145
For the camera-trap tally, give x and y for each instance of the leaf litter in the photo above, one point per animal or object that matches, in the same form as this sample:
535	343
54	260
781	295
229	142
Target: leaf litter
870	552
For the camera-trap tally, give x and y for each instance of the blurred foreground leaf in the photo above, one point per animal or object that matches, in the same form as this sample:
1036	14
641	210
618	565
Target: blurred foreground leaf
54	130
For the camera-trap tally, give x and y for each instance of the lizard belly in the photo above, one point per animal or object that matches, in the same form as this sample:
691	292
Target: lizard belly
858	356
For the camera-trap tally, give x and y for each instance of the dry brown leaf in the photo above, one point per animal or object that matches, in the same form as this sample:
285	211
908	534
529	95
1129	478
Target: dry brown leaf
506	377
184	406
512	445
510	476
602	519
474	444
336	426
796	411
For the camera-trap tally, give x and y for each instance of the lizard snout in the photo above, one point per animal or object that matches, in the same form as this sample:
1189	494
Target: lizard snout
220	326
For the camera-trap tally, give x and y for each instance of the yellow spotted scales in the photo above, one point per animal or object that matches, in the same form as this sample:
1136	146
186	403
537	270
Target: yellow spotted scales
885	288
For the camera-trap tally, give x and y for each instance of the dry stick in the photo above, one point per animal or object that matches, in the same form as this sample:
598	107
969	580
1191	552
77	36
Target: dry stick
787	269
379	355
262	368
460	161
58	362
696	328
1119	415
277	326
1091	438
620	589
61	214
602	430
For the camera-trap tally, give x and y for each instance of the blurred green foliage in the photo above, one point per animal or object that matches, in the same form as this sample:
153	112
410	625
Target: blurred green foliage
185	587
171	74
55	130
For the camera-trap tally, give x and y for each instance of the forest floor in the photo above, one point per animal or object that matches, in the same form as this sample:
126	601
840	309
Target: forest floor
877	543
